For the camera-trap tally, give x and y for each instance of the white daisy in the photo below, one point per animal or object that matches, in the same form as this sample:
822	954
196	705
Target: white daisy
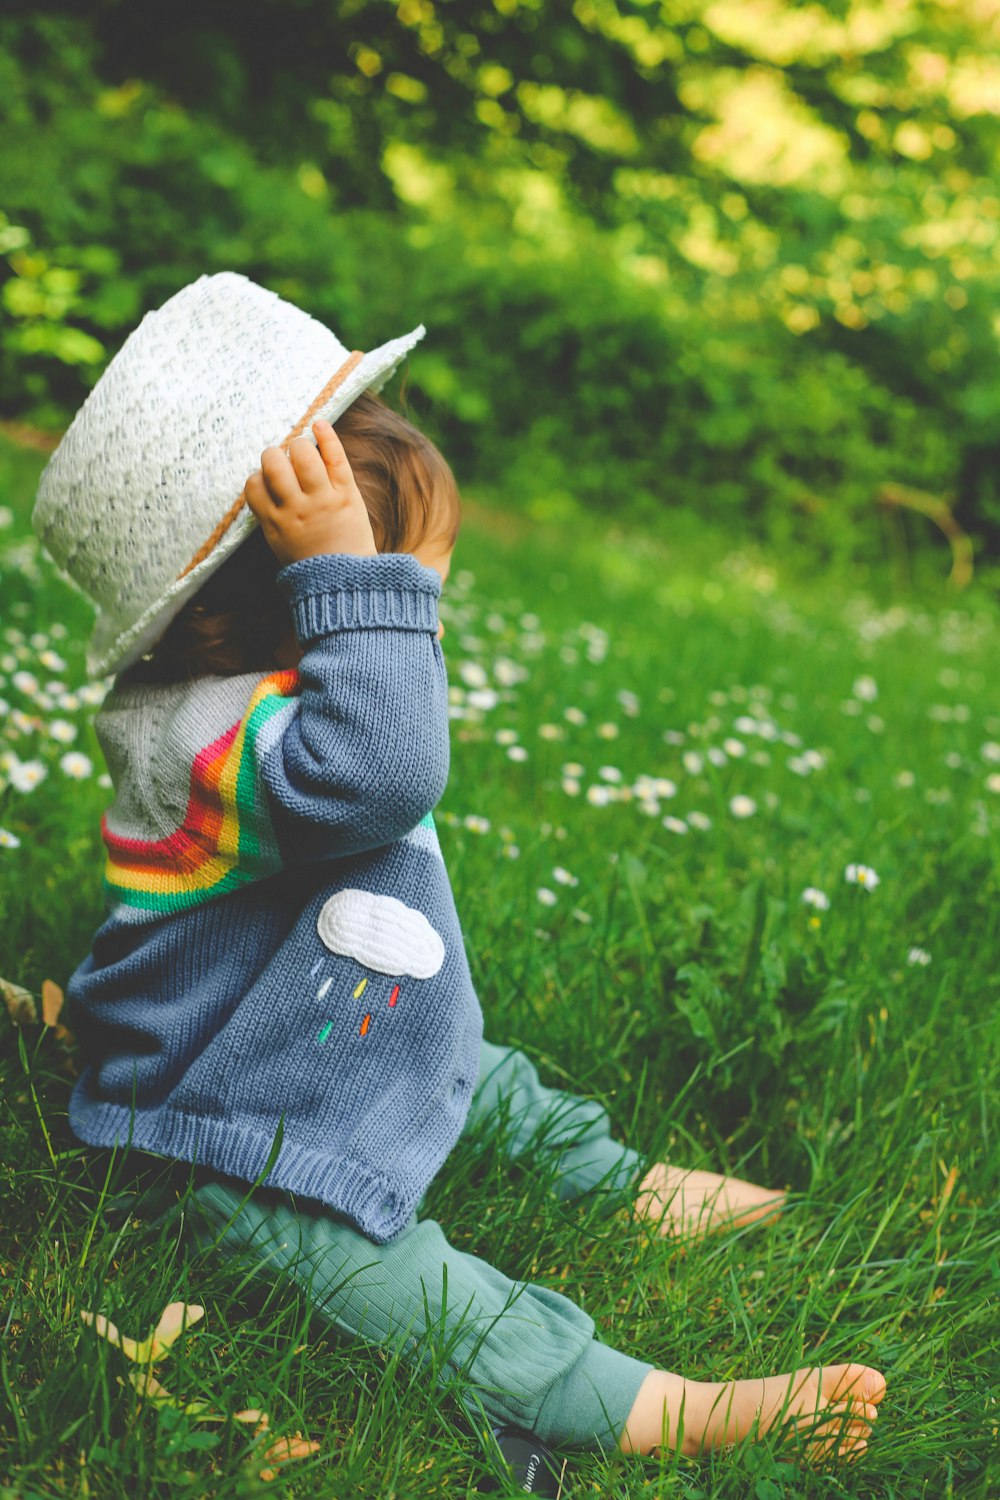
862	875
9	840
742	806
76	764
918	956
472	674
816	898
25	775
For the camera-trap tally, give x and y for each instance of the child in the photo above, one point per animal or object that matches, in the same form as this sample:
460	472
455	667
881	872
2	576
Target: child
280	991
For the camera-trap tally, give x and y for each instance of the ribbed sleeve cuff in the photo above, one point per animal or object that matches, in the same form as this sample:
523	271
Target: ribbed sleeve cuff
589	1406
338	591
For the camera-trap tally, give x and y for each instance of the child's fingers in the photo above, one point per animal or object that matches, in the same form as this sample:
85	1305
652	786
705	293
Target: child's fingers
331	450
310	469
257	496
279	476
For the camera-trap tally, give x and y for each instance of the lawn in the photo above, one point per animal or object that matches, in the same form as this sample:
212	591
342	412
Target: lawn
723	836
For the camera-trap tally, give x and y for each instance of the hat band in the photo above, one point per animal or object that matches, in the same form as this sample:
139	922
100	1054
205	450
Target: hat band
357	355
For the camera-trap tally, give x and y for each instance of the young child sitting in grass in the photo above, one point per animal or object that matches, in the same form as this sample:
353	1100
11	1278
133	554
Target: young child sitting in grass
280	991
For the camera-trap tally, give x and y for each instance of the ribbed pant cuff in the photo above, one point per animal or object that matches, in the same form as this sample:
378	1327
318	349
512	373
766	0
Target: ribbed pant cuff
589	1405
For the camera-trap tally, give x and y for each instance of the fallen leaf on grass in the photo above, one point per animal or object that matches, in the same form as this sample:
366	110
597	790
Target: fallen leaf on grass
52	1002
52	1006
176	1316
20	1003
284	1451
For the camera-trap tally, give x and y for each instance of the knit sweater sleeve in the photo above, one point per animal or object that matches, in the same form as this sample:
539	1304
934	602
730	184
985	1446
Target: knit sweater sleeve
364	755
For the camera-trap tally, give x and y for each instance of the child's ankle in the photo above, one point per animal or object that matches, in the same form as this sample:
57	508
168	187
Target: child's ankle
669	1413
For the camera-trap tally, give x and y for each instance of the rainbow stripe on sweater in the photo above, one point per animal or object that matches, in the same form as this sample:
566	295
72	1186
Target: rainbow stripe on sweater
226	838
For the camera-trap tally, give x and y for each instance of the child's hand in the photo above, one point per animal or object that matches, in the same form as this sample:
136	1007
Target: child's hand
307	501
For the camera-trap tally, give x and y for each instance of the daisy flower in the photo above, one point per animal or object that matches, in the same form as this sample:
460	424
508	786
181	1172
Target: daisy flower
24	775
76	764
742	807
816	898
862	875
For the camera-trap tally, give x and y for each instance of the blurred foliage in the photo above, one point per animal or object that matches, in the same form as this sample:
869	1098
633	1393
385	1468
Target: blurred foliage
738	255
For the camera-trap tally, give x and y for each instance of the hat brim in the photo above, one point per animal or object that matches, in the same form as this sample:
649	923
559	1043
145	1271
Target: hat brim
112	649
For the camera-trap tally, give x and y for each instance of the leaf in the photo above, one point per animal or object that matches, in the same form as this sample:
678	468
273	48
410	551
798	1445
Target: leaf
52	1002
176	1316
284	1451
146	1385
20	1003
259	1419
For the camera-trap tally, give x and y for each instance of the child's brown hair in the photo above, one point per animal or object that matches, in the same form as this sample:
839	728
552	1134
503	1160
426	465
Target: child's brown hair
237	619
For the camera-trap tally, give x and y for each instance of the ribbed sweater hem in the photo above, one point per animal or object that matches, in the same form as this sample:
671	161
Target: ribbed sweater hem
346	1185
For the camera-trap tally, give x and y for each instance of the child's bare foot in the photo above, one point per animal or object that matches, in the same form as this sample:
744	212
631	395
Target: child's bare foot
684	1202
831	1409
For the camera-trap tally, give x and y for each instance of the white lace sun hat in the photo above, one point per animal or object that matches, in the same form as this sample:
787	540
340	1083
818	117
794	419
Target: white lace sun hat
143	498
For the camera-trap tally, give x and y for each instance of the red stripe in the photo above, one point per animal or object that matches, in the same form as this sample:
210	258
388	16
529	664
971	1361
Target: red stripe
197	838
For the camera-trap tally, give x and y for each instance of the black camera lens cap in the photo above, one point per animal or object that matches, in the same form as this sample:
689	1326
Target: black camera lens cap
535	1469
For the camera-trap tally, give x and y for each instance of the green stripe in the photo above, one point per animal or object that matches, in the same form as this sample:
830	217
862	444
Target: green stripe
248	803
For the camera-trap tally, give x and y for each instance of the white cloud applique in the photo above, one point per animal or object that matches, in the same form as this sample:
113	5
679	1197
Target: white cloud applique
382	933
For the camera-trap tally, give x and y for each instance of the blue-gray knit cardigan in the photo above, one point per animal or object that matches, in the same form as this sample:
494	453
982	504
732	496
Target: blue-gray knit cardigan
282	966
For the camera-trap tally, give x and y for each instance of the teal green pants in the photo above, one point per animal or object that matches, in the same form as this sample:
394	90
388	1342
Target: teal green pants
526	1354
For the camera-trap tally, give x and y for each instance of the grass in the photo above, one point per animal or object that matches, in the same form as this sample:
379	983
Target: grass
677	975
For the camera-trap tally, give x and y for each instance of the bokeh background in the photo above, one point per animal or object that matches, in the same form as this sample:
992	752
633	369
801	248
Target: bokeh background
736	258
